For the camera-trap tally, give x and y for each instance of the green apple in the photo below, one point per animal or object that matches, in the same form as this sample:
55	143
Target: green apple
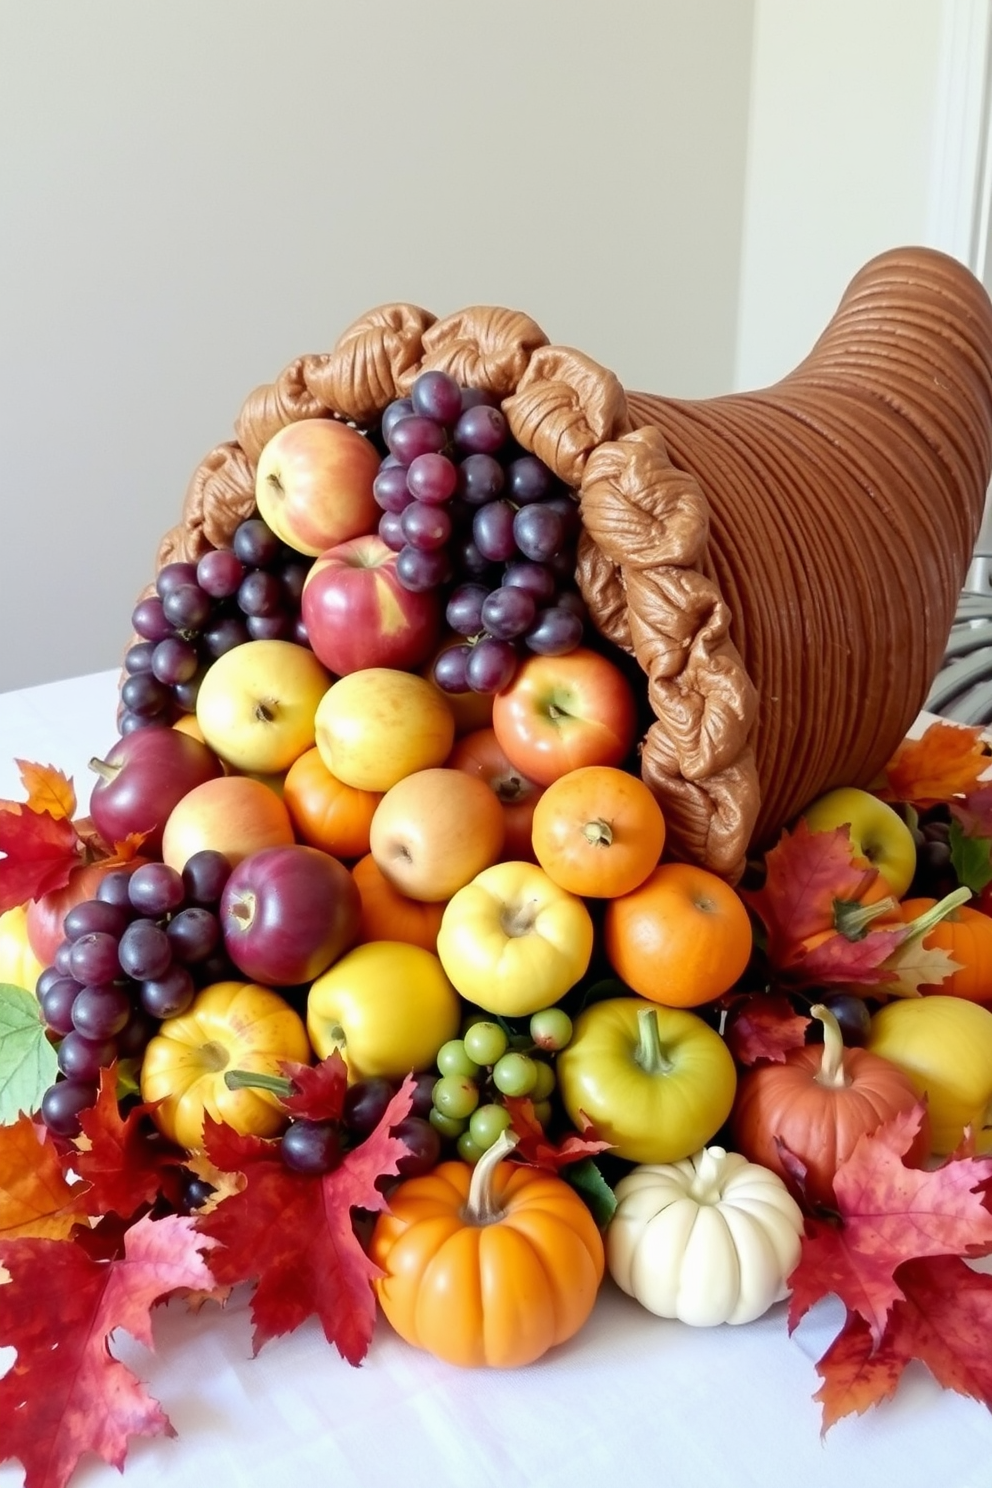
878	833
257	705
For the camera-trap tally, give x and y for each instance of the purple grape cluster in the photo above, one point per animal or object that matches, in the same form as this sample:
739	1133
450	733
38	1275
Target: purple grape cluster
467	510
314	1147
249	591
132	956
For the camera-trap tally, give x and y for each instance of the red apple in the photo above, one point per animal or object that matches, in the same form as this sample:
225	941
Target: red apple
313	484
45	915
287	912
358	614
142	778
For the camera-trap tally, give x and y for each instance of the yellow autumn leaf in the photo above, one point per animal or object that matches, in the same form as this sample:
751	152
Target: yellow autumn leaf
48	789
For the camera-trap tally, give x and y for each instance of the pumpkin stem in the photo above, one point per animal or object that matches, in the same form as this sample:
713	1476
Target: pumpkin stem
853	919
831	1072
598	833
939	911
239	1079
649	1053
705	1186
482	1207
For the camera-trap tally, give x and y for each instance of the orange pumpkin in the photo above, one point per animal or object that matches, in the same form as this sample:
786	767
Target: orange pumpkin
598	831
491	1265
324	811
681	938
818	1102
389	915
966	935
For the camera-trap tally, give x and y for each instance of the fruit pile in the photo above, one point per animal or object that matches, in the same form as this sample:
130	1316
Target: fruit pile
371	926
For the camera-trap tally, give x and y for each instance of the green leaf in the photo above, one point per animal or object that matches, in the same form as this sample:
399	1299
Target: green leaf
971	858
28	1063
592	1188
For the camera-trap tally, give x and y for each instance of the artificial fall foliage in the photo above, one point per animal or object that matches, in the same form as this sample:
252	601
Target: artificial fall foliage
763	1026
37	1199
58	1403
126	1163
946	761
535	1147
894	1253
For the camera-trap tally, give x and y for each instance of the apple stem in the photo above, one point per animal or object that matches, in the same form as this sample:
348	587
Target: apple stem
649	1053
264	713
831	1073
239	1079
598	833
105	769
481	1206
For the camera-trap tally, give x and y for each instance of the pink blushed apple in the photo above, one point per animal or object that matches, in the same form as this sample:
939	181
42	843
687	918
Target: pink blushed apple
358	614
313	484
287	912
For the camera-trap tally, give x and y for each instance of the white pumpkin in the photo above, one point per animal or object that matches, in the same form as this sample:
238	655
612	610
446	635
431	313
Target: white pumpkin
707	1240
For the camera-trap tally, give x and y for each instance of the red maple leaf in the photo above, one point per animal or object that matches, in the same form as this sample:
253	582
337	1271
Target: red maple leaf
294	1235
944	1319
535	1147
974	812
889	1214
41	851
320	1088
66	1393
837	960
945	761
127	1161
761	1025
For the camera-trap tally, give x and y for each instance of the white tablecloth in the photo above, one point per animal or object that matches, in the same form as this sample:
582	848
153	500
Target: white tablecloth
631	1399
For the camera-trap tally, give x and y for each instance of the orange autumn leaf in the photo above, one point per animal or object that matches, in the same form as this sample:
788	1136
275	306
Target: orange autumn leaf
36	1198
48	789
947	761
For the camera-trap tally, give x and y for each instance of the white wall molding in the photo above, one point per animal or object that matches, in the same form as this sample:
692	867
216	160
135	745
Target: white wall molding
961	161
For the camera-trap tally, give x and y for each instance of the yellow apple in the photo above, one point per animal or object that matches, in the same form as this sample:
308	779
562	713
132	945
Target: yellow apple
944	1045
878	833
512	941
375	726
434	830
387	1006
19	966
313	484
257	704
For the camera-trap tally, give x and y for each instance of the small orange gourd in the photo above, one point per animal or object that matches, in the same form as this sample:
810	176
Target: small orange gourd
966	935
818	1102
491	1265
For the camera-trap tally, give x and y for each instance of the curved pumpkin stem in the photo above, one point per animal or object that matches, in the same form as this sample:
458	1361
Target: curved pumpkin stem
831	1072
482	1206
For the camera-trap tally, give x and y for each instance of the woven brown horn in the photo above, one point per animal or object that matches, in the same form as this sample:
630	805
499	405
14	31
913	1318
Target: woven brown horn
784	564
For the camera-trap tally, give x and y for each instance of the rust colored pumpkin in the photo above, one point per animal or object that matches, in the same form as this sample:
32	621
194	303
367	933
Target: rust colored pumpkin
490	1266
966	935
324	811
818	1102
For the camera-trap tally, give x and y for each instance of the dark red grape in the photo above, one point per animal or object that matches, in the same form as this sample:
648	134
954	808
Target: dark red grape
311	1147
555	632
204	876
464	608
538	531
423	1093
269	627
219	573
61	958
425	527
507	613
101	1012
481	430
491	665
149	620
144	951
81	1058
480	479
223	634
450	669
114	887
56	1004
145	695
472	564
568	509
128	722
472	397
91	915
528	479
437	395
852	1015
572	601
365	1104
260	593
292	577
492	530
133	1037
174	660
413	436
93	959
138	658
187	608
194	934
196	1192
390	488
173	576
47	979
400	408
170	994
536	578
419	571
423	1146
255	543
63	1103
156	889
432	478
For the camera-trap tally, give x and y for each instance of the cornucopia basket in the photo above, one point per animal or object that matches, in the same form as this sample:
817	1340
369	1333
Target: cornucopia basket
783	564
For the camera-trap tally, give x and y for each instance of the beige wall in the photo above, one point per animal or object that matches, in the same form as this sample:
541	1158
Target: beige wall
841	154
192	194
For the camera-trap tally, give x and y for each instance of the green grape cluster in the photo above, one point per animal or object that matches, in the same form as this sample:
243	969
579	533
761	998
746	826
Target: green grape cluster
487	1063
